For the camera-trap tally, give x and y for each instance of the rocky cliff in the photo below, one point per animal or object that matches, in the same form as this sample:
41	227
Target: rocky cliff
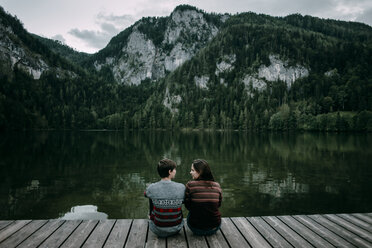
14	55
183	34
22	51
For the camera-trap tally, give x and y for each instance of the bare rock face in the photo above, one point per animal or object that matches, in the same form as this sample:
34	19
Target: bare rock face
226	64
253	83
139	51
13	55
171	101
186	32
277	70
202	81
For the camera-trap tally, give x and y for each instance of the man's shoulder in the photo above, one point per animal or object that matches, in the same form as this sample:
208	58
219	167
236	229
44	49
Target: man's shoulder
162	184
178	185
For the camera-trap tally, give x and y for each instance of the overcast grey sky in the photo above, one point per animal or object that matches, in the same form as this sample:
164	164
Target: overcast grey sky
88	25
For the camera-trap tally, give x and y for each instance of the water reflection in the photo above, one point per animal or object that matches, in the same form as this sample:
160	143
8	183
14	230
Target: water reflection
86	212
45	173
284	187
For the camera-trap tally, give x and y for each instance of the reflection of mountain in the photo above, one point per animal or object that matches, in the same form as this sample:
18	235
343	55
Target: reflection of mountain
281	188
45	173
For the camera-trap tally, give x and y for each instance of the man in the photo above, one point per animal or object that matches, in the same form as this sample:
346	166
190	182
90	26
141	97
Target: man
166	199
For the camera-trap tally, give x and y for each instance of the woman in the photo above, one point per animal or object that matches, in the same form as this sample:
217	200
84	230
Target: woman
203	197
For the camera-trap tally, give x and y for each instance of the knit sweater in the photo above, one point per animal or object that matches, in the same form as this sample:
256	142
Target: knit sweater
202	199
166	199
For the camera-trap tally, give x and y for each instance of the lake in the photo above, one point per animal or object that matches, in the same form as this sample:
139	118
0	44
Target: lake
103	174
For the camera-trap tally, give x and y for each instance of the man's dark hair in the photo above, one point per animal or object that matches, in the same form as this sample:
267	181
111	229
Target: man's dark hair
164	166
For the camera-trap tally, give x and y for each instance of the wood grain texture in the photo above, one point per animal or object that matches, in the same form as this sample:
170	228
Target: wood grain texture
233	236
274	238
339	230
118	234
137	234
323	232
329	230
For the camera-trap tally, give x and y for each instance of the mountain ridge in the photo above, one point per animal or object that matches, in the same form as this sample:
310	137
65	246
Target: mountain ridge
196	70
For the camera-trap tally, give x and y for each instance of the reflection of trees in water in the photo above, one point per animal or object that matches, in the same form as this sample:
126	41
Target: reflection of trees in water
279	189
300	146
111	169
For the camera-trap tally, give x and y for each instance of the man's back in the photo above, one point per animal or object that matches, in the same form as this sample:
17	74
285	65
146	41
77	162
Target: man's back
166	214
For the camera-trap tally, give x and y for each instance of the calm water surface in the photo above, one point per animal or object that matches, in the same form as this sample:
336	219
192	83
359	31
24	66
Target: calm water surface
52	174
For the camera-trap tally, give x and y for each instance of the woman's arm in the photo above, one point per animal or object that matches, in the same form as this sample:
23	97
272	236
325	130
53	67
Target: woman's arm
187	200
220	200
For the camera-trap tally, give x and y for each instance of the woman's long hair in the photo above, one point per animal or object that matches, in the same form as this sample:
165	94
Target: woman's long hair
202	167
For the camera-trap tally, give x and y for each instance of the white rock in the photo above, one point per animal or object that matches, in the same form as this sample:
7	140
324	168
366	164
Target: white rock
226	64
176	58
331	73
253	83
170	101
137	66
202	81
143	60
279	70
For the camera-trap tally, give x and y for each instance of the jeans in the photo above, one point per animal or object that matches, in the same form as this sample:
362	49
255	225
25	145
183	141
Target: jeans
202	232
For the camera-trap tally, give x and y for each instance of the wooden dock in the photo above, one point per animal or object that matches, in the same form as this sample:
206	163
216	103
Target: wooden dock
329	230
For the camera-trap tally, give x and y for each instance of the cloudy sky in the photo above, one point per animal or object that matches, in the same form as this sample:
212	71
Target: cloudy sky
88	25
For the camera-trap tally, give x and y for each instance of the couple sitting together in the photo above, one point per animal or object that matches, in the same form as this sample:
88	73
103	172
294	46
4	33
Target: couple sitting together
202	197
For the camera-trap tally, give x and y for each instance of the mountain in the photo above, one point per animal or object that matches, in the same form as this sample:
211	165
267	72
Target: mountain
261	72
63	50
41	89
193	70
20	50
153	47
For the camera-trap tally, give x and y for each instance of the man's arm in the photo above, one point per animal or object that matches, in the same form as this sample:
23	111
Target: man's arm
151	207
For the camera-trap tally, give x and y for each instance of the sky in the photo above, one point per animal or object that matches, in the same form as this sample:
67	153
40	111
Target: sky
88	25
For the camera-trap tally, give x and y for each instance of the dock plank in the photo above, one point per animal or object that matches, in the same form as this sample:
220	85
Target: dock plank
62	233
194	240
305	232
351	227
80	234
99	235
363	217
341	231
137	234
360	223
330	230
217	240
118	234
268	232
232	234
22	234
5	223
178	240
323	232
292	237
12	228
42	234
153	241
253	237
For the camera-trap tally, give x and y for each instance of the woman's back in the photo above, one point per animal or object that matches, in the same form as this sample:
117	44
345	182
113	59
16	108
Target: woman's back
202	199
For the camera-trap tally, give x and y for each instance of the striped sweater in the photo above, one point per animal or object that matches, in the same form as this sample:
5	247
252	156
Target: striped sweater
202	199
